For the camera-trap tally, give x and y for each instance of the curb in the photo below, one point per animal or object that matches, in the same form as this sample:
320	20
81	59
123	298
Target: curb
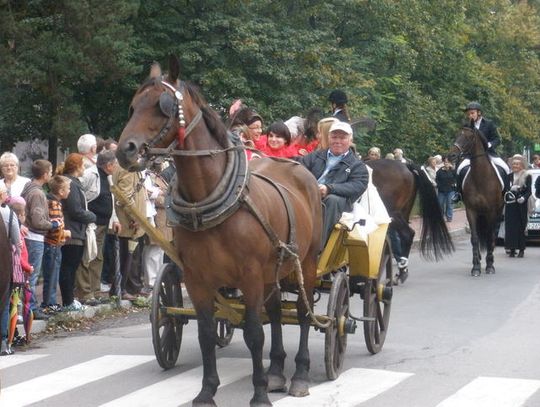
39	326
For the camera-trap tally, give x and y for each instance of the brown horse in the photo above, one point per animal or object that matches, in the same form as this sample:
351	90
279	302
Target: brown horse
398	184
482	195
233	220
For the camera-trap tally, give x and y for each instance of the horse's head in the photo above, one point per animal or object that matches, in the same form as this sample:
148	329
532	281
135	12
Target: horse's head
469	142
157	117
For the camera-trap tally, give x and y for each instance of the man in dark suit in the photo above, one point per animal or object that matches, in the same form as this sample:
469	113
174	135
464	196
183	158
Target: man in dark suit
342	177
475	119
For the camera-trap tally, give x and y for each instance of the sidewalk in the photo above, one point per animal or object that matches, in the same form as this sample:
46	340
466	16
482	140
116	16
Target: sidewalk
39	326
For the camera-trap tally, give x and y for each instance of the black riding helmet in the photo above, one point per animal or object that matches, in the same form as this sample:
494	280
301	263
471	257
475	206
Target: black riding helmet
338	97
473	106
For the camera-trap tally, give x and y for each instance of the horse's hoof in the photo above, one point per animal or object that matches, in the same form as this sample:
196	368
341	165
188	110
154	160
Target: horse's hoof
261	400
203	401
475	272
277	383
299	388
490	270
210	403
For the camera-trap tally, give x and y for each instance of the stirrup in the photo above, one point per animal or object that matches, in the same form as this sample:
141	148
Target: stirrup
457	197
509	197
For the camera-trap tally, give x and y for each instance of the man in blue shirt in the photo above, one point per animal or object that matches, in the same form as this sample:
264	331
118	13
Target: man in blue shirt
342	177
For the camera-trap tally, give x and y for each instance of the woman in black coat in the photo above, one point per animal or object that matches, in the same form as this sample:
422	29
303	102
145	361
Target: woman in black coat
515	215
76	217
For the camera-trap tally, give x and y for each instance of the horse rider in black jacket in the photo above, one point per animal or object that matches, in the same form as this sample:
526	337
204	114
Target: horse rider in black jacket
342	177
475	119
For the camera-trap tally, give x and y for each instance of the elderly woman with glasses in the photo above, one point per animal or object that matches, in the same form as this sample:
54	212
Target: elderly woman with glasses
11	180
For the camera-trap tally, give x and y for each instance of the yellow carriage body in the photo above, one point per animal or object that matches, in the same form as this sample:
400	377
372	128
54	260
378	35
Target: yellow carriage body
362	254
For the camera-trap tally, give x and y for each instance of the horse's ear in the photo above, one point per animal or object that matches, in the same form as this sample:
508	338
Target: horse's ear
174	68
155	70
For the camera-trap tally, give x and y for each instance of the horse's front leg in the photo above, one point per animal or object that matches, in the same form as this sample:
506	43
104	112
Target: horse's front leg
254	338
490	268
203	301
476	269
300	379
276	379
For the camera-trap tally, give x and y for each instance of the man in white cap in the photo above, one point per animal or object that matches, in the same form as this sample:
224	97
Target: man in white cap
342	177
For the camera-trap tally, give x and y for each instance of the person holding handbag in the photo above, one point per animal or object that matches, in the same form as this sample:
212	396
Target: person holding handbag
515	212
76	218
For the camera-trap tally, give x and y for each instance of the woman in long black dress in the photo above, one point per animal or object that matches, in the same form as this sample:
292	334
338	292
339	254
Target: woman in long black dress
515	218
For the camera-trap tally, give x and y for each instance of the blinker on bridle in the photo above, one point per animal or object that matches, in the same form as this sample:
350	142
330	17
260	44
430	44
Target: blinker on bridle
172	107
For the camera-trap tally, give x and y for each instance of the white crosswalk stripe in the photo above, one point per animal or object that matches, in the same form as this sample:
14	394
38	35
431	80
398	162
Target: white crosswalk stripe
183	387
345	391
338	392
14	360
493	391
67	379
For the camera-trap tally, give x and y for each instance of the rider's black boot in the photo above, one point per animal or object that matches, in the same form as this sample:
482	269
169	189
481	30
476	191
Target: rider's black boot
457	195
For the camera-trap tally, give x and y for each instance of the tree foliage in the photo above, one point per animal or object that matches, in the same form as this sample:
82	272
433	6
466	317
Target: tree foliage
71	66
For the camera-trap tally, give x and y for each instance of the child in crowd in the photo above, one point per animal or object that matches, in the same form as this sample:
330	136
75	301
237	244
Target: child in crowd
22	292
59	187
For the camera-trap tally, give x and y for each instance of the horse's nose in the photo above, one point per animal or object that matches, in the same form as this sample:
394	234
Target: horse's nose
127	153
130	149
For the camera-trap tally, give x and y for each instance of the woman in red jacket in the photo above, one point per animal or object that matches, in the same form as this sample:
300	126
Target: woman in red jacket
278	141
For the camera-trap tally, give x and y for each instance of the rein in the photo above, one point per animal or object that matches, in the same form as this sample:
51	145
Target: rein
463	154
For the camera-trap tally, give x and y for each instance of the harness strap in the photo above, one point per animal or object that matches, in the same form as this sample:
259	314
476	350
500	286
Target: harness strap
193	153
290	210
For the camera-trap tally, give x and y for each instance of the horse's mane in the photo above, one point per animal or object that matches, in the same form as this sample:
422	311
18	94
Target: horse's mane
211	118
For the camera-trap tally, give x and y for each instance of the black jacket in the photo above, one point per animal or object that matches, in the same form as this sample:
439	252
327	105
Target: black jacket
348	178
76	217
446	180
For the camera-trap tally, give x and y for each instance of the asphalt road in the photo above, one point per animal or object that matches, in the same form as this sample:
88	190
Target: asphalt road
453	341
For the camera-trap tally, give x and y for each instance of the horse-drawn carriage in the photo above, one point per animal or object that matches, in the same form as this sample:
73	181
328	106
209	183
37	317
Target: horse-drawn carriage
254	227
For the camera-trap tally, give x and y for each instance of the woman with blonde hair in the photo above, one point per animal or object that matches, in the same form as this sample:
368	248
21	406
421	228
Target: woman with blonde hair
324	128
9	166
515	215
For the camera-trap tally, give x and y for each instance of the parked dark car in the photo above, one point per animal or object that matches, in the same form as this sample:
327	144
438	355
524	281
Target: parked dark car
533	227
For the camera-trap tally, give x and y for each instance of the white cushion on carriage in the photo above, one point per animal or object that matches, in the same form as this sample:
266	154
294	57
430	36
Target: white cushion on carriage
370	208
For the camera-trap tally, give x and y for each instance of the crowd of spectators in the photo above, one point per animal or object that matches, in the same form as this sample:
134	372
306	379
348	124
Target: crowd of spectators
54	210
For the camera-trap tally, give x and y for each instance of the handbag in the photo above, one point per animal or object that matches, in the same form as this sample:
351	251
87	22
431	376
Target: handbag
90	244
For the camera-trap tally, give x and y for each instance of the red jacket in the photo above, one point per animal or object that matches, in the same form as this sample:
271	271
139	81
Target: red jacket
25	264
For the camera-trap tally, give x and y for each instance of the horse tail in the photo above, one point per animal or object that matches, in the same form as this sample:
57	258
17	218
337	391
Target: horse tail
435	240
